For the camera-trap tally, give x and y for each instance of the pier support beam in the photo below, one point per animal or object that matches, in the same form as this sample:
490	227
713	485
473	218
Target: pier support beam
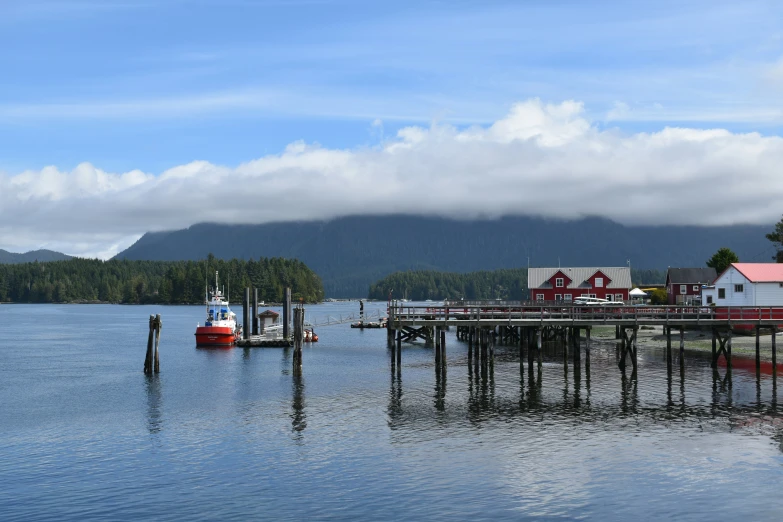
723	348
628	347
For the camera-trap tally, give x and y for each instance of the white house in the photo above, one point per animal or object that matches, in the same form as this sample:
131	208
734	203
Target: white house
747	284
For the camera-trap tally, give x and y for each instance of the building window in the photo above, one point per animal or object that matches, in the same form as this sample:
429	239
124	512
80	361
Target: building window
695	288
567	298
609	297
738	289
559	282
709	299
599	282
721	293
683	289
558	298
539	297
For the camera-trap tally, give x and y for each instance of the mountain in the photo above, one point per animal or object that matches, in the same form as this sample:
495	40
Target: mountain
351	253
9	258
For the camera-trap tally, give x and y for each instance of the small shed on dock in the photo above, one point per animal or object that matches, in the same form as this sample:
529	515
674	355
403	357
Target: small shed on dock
747	284
267	318
565	284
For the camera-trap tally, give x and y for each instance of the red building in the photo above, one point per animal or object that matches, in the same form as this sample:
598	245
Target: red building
565	284
683	285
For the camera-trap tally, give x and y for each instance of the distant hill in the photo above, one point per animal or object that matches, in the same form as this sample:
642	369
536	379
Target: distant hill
9	258
351	253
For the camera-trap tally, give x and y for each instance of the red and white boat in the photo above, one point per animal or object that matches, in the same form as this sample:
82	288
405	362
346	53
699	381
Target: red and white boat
220	328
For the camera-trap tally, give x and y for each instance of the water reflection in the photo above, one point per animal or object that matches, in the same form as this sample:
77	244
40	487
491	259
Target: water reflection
298	415
154	404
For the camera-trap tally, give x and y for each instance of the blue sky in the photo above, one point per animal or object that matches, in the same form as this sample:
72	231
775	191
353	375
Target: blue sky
153	85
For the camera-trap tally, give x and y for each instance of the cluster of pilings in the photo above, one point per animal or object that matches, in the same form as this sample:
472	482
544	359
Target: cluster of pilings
250	320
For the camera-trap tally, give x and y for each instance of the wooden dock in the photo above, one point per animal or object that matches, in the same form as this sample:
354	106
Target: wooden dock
529	324
261	341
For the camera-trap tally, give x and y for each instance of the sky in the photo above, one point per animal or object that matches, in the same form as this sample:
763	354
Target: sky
119	117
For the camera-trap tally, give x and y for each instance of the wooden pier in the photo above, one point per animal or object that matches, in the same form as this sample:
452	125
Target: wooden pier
529	325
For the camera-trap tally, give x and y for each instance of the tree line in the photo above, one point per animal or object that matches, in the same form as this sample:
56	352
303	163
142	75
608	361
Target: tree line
510	284
164	282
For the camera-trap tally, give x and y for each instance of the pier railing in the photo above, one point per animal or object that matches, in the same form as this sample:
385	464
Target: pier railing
493	312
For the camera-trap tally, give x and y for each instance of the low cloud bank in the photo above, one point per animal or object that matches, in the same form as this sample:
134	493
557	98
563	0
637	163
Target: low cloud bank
544	160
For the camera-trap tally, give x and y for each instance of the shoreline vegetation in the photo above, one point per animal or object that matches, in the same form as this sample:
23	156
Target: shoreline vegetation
83	281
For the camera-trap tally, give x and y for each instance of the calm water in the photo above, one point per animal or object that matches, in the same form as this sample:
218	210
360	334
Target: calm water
231	434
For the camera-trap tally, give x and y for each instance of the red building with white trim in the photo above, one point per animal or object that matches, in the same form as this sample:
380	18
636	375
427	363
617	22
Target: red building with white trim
565	284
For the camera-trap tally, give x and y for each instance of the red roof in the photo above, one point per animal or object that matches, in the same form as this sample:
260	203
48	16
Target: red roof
761	272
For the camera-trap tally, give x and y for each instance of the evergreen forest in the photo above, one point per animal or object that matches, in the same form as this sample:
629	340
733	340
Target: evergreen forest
163	282
495	284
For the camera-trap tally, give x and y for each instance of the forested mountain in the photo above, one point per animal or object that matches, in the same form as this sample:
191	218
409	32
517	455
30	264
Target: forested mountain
29	257
420	285
167	282
351	253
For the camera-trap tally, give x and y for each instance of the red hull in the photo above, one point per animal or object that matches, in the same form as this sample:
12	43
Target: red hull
215	336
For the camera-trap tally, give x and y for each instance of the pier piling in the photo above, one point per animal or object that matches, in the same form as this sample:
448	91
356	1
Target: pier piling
254	308
298	339
287	314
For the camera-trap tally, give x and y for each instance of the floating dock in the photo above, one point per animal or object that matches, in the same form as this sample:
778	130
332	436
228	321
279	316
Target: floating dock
262	341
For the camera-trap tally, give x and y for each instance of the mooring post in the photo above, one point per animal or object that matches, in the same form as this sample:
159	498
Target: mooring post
246	330
569	338
158	328
149	362
669	342
522	347
287	314
399	350
774	349
254	308
617	332
298	339
577	347
633	346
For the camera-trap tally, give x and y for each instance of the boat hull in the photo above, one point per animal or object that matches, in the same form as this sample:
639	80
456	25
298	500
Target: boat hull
215	336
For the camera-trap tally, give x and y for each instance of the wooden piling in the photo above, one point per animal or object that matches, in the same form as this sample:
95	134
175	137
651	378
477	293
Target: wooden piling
287	313
587	346
443	346
682	341
254	309
539	347
577	347
298	339
774	334
246	330
758	349
152	357
714	363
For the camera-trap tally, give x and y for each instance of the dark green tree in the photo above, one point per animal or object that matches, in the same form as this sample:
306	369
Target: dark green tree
721	259
776	237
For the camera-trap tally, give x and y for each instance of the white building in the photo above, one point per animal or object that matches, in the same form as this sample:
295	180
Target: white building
747	284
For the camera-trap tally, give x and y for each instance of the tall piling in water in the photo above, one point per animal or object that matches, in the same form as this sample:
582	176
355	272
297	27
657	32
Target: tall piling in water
254	308
246	315
298	339
287	313
152	358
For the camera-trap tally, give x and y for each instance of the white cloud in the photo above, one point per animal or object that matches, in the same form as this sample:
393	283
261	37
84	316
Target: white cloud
546	160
